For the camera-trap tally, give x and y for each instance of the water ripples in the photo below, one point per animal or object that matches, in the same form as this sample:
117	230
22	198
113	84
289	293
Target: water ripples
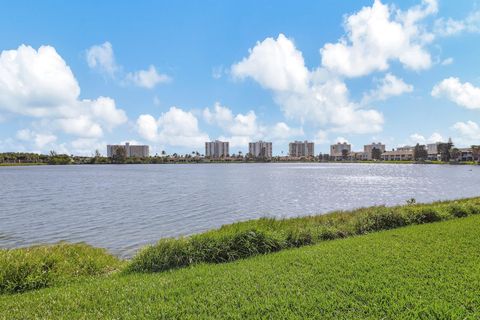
125	207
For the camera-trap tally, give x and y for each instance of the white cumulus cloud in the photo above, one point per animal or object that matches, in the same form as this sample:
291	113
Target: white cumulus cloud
81	126
418	138
449	27
240	129
469	132
101	57
175	127
468	128
281	132
306	96
104	109
463	94
40	140
219	115
377	35
40	85
147	78
36	83
275	64
387	87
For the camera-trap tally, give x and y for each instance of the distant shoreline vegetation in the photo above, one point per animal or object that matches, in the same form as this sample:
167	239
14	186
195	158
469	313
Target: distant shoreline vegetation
33	159
25	269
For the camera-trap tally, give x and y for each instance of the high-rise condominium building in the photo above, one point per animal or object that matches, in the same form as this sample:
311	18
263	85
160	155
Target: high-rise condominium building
216	149
139	151
260	149
301	149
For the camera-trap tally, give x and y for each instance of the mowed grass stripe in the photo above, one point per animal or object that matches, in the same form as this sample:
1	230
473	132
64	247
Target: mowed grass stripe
428	271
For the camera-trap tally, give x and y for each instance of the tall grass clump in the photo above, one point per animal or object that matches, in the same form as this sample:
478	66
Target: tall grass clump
42	266
210	247
245	239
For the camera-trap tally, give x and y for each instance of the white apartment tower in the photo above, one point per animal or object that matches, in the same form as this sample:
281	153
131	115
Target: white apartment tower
260	149
216	149
301	149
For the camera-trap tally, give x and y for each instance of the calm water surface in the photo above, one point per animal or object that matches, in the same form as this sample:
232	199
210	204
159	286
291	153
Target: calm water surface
125	207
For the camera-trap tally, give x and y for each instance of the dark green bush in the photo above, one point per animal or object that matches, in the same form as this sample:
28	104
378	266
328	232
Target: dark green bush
380	218
472	208
253	242
459	210
164	255
300	237
425	214
209	247
328	233
41	266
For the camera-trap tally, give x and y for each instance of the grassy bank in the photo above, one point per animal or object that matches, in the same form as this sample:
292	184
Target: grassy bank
245	239
418	272
43	266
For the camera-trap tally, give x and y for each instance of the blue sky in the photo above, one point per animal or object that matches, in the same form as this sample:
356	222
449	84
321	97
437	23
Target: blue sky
74	77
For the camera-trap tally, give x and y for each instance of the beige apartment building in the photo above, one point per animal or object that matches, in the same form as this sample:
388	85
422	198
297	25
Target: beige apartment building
260	149
337	150
217	149
299	149
137	151
368	150
400	154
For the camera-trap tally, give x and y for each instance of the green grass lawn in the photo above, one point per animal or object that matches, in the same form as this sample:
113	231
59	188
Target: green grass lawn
429	271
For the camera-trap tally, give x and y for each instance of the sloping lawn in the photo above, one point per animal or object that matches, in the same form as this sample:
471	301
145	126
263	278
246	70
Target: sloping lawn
429	271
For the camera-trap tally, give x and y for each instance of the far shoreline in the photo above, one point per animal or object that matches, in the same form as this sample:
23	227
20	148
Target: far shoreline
200	162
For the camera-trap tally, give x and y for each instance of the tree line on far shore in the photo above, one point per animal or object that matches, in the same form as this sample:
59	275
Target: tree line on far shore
447	154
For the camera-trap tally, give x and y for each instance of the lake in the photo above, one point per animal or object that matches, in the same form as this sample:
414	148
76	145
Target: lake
125	207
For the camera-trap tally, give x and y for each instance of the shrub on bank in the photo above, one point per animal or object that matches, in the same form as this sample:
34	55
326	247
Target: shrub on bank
245	239
41	266
211	247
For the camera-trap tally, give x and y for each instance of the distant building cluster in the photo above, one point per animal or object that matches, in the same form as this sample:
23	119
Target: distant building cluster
259	149
438	151
341	151
128	150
